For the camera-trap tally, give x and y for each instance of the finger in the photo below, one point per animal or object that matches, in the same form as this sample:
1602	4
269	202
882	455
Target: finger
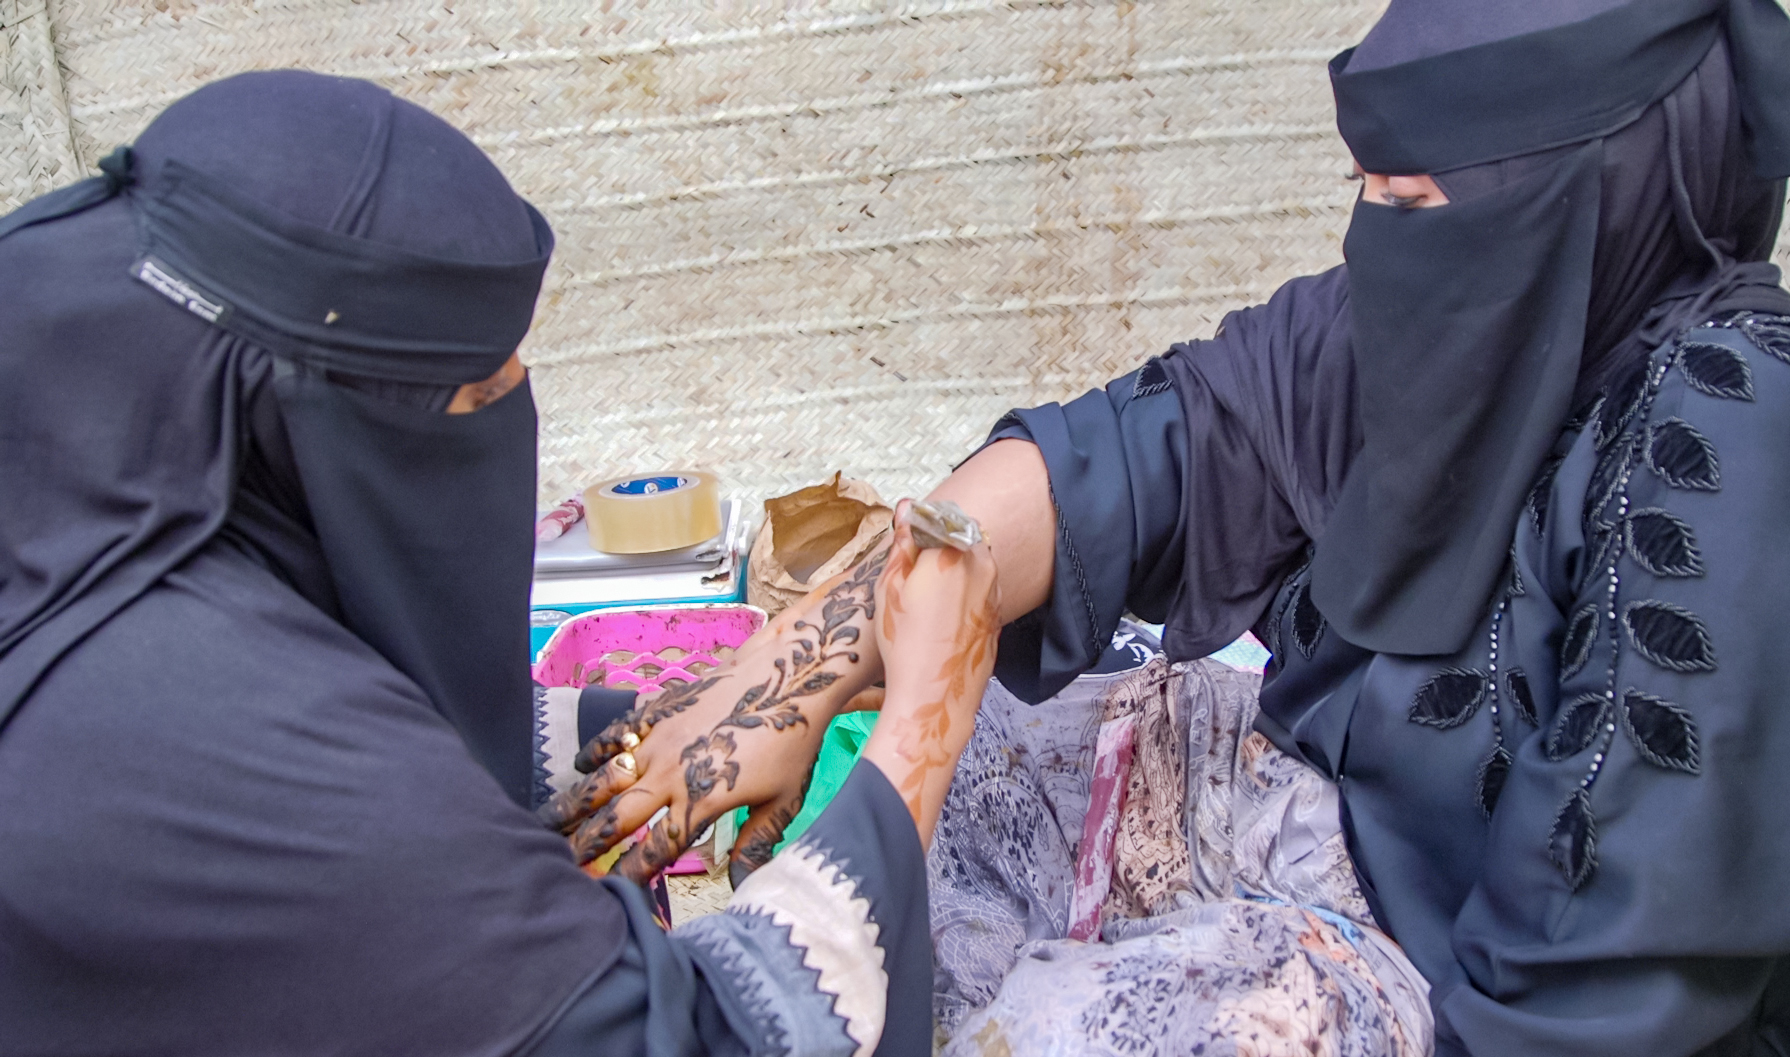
761	832
605	828
564	810
663	844
622	735
904	543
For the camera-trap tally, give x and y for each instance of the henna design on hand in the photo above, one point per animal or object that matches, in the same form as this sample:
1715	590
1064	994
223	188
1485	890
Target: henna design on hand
599	832
700	773
774	703
761	843
660	848
672	700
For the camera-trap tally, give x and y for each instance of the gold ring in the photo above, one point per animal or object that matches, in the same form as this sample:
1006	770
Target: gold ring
630	741
625	761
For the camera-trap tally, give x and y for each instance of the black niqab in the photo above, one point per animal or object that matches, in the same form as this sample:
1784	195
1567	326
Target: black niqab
384	261
1566	249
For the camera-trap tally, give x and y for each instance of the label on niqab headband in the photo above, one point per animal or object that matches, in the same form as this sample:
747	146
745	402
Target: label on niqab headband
164	280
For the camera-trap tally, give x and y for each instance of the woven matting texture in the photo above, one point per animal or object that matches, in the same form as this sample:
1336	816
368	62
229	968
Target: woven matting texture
826	236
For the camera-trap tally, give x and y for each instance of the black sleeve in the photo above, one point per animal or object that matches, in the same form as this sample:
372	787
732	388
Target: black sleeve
652	1001
1186	489
598	707
1114	457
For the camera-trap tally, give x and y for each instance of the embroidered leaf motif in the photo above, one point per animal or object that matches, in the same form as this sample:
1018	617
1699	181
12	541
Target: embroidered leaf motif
1541	491
1492	774
1575	647
1661	731
1577	726
1670	636
1771	335
1516	688
1663	544
1308	623
1621	401
1516	588
1573	844
1716	370
1683	457
1449	699
1151	379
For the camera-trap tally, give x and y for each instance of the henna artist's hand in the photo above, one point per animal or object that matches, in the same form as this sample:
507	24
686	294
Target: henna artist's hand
746	735
938	619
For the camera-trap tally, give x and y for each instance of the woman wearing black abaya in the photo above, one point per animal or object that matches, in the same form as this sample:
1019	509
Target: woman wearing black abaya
1504	497
266	739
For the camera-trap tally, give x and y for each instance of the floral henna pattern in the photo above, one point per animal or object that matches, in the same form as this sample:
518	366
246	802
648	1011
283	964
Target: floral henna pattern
761	843
672	700
709	761
701	773
757	849
599	832
930	724
775	703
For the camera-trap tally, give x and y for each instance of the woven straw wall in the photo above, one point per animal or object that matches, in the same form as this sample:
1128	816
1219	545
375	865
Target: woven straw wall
836	235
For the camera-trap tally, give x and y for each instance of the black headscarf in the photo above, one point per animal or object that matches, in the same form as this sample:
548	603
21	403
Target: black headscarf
1614	171
331	263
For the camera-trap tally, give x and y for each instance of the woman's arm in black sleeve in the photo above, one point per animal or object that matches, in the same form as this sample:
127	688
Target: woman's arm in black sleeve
825	951
1183	490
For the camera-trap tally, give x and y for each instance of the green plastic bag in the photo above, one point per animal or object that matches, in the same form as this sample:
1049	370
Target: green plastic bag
840	748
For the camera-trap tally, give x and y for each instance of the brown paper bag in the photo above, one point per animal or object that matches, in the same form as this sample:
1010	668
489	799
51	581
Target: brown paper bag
811	535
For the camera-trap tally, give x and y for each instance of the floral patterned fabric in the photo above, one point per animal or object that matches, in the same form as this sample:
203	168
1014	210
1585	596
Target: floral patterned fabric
1232	923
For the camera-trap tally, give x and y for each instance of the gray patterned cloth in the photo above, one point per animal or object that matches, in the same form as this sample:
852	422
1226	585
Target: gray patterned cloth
1234	924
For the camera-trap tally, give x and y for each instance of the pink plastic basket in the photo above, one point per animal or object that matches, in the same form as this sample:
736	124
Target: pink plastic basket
643	649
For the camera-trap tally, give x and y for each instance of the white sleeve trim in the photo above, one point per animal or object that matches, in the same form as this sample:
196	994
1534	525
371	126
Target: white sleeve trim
819	904
559	733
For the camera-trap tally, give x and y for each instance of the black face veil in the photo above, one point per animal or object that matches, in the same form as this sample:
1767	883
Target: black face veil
330	264
1473	323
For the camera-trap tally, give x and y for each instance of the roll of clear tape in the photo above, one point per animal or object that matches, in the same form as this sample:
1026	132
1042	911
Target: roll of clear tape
643	513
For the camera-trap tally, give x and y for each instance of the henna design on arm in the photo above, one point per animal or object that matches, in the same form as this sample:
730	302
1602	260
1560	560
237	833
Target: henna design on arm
923	742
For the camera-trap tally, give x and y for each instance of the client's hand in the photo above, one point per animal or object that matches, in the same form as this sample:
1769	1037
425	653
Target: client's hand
938	619
745	735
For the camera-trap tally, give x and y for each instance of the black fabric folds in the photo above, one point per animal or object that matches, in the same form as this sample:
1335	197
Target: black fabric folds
444	510
369	247
263	603
1521	93
336	300
1566	251
1511	317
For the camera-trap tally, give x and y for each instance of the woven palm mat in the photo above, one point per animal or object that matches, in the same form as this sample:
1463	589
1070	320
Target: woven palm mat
816	237
693	895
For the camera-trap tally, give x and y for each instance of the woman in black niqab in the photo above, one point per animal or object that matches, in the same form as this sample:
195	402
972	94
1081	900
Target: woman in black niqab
266	213
1501	496
266	731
